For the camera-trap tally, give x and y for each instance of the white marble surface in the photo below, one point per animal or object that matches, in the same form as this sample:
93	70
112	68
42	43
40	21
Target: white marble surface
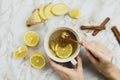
13	15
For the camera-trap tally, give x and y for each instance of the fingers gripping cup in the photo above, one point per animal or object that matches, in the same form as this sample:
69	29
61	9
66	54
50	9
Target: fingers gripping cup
62	50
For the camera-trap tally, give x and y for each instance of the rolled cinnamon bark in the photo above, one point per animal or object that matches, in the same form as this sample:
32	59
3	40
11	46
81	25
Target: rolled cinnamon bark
102	26
116	33
91	28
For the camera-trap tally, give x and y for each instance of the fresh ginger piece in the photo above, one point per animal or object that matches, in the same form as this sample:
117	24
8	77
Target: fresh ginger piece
74	13
42	13
60	9
47	10
33	19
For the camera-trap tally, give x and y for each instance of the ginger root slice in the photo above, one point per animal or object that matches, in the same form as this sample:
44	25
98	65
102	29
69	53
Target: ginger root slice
41	12
47	10
33	19
74	13
60	9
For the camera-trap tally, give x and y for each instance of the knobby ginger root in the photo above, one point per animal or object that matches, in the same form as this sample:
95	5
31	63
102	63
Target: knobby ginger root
33	19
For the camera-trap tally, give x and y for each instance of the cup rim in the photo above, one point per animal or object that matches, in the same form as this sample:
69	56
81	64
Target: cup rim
46	45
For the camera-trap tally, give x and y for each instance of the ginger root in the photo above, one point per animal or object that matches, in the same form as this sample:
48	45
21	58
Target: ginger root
42	13
33	19
48	13
45	12
59	9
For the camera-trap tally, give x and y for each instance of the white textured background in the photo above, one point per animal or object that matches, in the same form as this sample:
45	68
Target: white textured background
13	15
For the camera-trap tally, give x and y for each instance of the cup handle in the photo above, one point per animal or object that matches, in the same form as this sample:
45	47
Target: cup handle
73	61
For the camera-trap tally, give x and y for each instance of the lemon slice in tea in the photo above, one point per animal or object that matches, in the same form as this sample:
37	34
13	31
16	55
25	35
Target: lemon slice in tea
20	52
31	38
63	52
52	45
37	60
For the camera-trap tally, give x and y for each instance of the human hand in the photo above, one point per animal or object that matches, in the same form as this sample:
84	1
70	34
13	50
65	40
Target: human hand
101	58
68	73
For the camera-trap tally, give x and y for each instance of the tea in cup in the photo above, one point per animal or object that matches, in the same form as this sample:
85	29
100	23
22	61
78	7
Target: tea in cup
59	49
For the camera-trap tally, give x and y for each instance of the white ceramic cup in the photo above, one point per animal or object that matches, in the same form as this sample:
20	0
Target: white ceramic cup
53	57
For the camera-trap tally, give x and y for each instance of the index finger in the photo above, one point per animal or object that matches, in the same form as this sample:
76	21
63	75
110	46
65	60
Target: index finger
92	49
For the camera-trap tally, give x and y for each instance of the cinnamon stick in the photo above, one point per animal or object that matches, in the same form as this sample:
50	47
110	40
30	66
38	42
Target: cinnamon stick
102	26
91	28
116	33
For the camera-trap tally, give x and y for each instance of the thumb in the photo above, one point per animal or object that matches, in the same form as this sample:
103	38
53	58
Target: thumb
79	59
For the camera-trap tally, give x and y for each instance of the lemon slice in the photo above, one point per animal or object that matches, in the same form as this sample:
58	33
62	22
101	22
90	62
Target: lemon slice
31	38
74	13
52	45
63	52
37	60
20	52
